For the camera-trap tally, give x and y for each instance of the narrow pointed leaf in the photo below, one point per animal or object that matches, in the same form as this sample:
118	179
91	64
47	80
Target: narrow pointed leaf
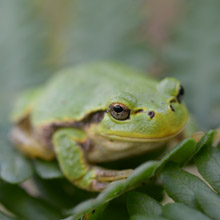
141	174
179	154
97	213
206	141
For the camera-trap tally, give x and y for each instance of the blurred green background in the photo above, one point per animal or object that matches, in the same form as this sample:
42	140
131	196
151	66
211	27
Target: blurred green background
179	38
163	37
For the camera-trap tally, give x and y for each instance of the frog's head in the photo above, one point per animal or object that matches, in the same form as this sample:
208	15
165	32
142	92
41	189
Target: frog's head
154	113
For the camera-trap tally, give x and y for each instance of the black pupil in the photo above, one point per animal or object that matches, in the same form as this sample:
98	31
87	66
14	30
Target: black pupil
181	92
118	108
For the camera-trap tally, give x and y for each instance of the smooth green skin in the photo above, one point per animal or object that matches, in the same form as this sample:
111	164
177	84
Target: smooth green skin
75	93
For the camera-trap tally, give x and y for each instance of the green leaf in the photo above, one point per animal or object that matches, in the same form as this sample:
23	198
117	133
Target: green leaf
145	217
17	201
47	170
115	189
209	203
3	216
97	213
208	164
181	186
206	141
141	174
142	204
178	154
14	167
61	193
178	211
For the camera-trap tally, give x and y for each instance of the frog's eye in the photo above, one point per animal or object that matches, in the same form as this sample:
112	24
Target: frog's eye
180	94
119	111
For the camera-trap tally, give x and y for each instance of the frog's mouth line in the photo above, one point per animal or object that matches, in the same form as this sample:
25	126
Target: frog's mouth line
140	139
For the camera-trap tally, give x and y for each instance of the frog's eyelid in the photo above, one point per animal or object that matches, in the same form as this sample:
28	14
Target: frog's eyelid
126	98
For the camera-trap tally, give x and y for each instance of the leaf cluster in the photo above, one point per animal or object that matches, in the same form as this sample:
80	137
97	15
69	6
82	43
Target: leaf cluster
193	198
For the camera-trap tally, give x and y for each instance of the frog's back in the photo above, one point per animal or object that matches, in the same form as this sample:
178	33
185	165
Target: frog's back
74	93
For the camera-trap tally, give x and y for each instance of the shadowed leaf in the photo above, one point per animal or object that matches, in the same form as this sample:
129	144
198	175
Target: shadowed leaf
209	203
47	170
24	206
142	204
208	164
145	217
6	217
182	186
14	167
178	154
178	211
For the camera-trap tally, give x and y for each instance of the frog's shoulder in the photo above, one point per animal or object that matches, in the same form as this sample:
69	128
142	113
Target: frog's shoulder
24	104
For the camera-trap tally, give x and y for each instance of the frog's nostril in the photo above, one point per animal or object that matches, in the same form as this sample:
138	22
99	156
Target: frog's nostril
151	114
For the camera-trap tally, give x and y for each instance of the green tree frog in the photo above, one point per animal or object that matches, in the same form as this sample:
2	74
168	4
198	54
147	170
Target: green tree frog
95	113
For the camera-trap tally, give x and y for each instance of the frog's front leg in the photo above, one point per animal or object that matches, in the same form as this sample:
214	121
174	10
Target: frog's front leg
67	143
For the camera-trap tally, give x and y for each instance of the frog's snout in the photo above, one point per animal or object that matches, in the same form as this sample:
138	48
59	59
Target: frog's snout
150	113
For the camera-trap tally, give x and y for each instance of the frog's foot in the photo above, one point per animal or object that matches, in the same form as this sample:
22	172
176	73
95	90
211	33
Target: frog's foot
103	177
67	143
97	178
26	143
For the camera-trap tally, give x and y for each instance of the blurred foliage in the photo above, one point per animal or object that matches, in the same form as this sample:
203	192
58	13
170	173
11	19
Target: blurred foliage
165	38
23	51
192	55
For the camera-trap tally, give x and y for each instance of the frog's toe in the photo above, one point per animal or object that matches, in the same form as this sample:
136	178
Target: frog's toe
98	186
104	175
97	178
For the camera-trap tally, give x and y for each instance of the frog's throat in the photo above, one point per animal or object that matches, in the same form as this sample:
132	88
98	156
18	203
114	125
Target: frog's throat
141	139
